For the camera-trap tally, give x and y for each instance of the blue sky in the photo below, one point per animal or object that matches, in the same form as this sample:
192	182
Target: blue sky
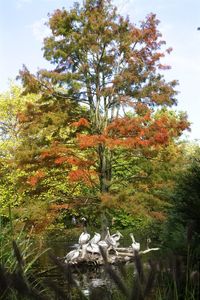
22	30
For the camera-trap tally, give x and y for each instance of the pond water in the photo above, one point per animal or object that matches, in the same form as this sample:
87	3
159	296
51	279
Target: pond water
90	280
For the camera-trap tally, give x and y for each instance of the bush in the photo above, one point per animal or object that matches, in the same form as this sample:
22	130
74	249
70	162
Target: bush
186	210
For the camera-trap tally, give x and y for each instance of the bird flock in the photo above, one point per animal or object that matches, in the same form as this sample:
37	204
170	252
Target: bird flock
94	246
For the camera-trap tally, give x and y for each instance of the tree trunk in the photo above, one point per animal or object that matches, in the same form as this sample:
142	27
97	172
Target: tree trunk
105	169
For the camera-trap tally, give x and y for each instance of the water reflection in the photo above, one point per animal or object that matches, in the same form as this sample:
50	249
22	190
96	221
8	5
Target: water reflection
94	281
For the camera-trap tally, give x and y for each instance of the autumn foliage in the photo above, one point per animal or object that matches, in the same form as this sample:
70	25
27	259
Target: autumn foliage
108	72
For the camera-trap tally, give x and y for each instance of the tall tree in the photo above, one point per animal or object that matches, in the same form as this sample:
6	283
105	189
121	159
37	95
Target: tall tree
112	66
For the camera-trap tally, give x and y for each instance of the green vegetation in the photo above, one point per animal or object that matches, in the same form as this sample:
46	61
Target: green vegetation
185	210
18	256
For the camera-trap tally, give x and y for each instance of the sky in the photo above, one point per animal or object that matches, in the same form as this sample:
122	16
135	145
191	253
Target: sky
22	29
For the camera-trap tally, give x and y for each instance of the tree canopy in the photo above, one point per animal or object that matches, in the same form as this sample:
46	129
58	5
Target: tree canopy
112	69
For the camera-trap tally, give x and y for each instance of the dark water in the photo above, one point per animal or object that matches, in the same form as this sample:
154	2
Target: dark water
90	280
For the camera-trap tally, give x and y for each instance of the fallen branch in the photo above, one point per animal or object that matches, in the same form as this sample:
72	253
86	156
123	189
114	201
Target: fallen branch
149	250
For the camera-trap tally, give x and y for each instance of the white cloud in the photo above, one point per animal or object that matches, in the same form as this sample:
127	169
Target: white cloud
40	30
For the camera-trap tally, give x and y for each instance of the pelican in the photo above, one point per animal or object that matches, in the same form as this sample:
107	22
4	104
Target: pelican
112	243
96	238
72	255
103	244
116	236
84	237
93	248
134	245
109	239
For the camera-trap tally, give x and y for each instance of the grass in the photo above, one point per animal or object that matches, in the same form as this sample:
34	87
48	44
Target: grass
17	258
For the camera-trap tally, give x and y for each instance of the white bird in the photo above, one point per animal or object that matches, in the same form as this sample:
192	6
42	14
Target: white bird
117	236
95	242
96	238
109	239
134	245
84	237
93	248
72	255
112	243
103	244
